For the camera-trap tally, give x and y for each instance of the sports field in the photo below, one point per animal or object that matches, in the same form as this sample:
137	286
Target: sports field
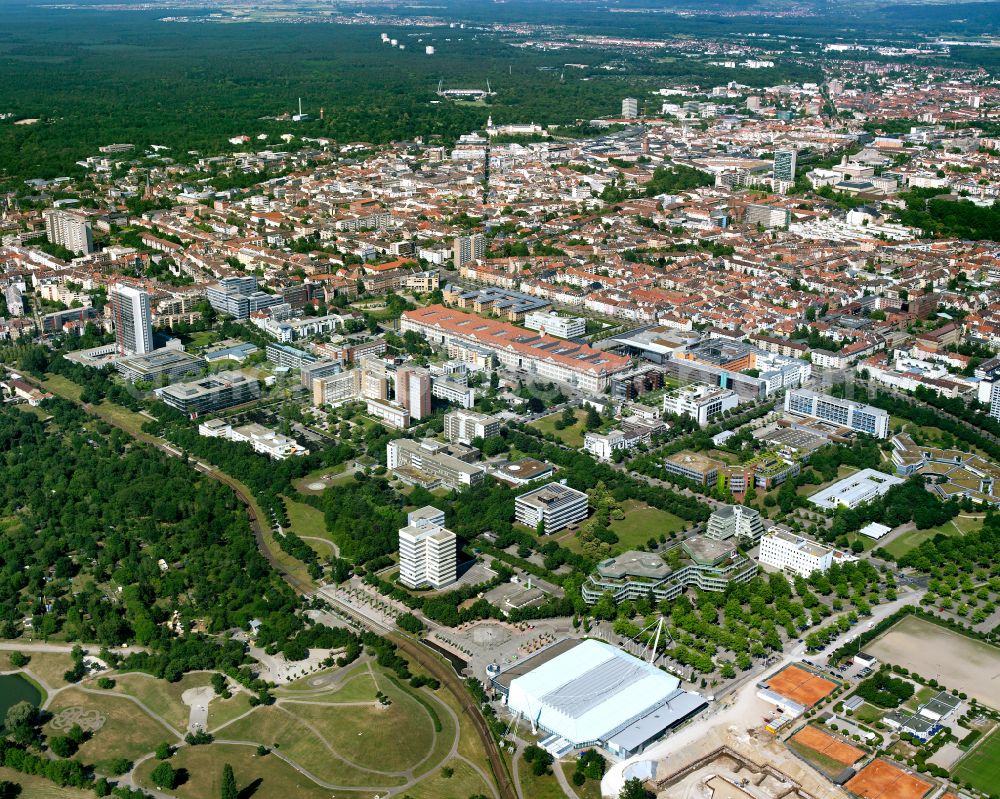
953	659
828	745
801	686
981	766
882	780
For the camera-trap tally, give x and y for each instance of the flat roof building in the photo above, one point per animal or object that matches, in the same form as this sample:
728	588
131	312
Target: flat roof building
555	505
593	693
211	393
464	425
163	365
427	551
855	489
841	412
430	463
795	554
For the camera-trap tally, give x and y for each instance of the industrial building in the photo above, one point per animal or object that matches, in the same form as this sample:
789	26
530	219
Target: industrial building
554	505
589	693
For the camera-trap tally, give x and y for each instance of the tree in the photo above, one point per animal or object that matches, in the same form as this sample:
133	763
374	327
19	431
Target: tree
164	776
228	783
20	721
62	746
18	660
593	418
164	751
633	789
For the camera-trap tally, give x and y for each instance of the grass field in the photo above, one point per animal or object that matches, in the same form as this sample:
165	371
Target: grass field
255	776
162	697
49	667
358	688
914	538
642	522
222	711
62	386
868	714
981	766
546	787
40	788
127	732
591	789
570	436
308	522
463	782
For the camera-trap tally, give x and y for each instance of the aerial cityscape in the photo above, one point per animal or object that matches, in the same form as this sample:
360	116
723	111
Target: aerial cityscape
500	400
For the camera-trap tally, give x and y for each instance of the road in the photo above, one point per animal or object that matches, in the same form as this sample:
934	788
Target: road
423	655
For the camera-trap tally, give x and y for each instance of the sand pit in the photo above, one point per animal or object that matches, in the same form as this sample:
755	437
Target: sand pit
882	780
828	745
801	686
316	486
954	660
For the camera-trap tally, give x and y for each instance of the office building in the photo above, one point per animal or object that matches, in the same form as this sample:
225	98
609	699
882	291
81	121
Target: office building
165	365
392	413
735	521
336	388
994	399
630	108
427	551
133	321
552	324
468	249
794	554
855	489
282	355
455	391
705	564
784	166
431	464
464	426
238	297
263	440
69	229
702	403
413	390
211	393
694	466
554	505
840	412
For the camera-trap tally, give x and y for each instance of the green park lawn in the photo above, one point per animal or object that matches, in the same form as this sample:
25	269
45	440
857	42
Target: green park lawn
464	781
570	436
914	538
981	766
643	522
162	697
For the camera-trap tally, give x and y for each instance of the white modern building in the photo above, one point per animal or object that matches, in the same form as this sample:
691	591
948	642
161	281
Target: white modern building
427	551
841	412
794	554
552	324
463	426
555	505
855	489
132	318
392	413
263	440
702	403
630	108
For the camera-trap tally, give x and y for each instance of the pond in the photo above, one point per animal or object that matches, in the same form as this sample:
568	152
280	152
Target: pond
15	688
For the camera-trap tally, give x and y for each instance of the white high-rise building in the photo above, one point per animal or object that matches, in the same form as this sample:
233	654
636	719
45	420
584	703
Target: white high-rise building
133	321
427	551
784	165
69	229
630	108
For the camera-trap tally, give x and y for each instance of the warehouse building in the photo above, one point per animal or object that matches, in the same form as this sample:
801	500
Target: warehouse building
590	693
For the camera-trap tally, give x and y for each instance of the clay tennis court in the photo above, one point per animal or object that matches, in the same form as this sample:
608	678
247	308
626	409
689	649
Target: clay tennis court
826	744
801	686
881	780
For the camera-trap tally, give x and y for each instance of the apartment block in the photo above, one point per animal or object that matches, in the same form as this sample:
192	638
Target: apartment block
468	248
69	229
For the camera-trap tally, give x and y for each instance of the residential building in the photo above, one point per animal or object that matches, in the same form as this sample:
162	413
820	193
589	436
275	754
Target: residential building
464	426
784	166
431	464
794	554
554	505
767	216
702	403
133	321
69	229
840	412
211	393
735	521
413	390
469	248
552	324
427	551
